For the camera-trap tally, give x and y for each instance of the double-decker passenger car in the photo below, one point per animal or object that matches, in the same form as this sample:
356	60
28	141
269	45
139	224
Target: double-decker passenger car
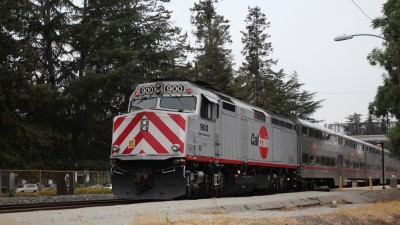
328	156
182	139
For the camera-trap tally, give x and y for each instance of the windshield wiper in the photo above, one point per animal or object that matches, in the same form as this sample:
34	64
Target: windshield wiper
136	107
179	99
141	100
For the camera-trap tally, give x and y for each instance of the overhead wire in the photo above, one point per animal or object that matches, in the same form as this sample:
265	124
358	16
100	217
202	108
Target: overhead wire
345	93
361	9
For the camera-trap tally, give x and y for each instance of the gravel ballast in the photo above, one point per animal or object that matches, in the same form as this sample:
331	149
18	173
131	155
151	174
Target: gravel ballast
51	199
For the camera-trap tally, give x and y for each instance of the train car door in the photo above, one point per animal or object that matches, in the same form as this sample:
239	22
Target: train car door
278	144
229	132
205	128
244	130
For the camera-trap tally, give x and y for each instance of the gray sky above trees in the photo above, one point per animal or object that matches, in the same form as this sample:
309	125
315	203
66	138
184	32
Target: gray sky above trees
302	35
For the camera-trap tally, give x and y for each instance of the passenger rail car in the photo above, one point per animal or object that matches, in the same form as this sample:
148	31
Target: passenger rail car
327	156
180	139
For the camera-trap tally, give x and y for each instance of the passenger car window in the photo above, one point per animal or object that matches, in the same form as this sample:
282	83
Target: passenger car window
305	158
305	130
312	159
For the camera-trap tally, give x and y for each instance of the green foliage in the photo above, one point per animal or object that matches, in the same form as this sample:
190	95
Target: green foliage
256	69
213	60
47	192
11	192
259	84
100	165
78	191
354	125
66	70
387	99
371	126
394	139
130	42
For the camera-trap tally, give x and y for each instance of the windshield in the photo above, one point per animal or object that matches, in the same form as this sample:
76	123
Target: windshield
179	102
145	103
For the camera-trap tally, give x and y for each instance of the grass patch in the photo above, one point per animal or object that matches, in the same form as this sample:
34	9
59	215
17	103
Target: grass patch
78	191
89	191
382	211
25	194
47	192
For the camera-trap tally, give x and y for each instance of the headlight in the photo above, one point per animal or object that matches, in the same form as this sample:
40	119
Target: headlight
144	125
115	148
175	147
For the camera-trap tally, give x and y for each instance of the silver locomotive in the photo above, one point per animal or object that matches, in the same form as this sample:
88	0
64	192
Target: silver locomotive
180	139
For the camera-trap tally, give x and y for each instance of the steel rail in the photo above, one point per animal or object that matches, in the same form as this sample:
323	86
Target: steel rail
64	205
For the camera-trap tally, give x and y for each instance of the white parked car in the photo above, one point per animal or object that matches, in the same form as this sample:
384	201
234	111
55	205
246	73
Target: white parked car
32	188
109	186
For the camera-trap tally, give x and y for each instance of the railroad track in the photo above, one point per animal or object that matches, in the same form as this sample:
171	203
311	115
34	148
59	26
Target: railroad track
64	205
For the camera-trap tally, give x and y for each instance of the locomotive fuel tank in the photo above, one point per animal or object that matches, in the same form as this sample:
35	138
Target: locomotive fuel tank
239	184
157	184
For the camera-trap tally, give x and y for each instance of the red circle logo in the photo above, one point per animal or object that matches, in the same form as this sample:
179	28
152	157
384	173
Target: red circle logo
263	142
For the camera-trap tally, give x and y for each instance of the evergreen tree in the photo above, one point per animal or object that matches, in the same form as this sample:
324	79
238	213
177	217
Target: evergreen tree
66	70
371	127
214	60
46	22
274	91
12	83
119	44
354	125
257	51
28	104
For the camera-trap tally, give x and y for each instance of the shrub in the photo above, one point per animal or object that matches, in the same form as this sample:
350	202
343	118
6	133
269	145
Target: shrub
47	192
86	191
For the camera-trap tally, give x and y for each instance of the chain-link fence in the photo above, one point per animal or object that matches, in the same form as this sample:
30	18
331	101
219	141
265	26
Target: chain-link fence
64	182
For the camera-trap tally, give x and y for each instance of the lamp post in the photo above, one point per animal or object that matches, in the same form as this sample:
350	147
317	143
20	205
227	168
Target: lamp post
397	53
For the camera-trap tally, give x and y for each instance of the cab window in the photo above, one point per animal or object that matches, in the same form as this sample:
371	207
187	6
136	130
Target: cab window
180	103
208	109
144	103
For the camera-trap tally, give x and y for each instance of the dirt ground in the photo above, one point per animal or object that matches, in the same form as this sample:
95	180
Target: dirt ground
347	207
352	209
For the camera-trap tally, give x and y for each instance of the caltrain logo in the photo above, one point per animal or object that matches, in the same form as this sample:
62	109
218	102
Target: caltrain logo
261	141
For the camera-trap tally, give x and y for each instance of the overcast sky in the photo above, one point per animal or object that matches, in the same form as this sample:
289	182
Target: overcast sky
302	33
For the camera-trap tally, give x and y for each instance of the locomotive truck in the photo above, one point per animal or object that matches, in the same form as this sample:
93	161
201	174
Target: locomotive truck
181	139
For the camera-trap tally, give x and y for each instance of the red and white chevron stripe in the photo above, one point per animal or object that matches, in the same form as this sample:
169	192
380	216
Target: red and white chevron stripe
165	129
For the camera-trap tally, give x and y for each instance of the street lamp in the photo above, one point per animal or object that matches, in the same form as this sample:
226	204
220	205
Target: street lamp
397	53
347	37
